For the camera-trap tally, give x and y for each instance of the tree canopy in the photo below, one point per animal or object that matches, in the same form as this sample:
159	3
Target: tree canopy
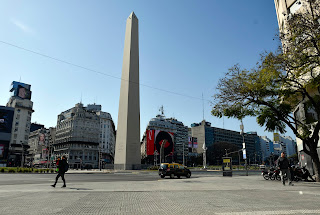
280	83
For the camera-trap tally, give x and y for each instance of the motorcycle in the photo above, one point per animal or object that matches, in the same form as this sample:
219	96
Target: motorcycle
301	174
276	175
265	174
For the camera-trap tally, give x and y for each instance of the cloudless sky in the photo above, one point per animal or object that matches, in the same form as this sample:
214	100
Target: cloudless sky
185	47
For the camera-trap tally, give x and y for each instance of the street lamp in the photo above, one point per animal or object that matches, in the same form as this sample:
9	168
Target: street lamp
204	155
243	146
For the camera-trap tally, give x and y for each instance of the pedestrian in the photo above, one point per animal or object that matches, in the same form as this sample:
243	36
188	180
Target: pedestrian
62	169
57	164
283	165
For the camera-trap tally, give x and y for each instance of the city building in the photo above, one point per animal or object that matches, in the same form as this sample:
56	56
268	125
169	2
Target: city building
266	147
285	9
35	126
77	137
6	119
211	135
22	104
38	148
180	141
150	153
107	137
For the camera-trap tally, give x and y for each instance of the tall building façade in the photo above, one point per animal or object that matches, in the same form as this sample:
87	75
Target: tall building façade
77	137
22	104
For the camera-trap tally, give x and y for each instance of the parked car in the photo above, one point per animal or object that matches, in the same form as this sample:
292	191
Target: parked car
173	169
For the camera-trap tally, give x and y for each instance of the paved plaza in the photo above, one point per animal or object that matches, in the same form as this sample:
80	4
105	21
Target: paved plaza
137	192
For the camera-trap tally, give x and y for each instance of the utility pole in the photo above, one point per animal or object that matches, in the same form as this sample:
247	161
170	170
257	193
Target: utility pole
100	158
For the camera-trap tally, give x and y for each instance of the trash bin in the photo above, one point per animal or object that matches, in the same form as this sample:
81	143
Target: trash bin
227	166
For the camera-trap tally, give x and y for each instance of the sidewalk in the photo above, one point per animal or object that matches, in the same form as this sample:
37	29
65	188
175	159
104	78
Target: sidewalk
198	195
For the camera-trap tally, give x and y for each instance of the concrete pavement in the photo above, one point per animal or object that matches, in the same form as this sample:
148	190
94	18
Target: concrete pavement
197	195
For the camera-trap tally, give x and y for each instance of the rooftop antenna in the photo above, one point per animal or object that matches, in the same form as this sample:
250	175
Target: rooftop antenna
161	110
81	98
20	79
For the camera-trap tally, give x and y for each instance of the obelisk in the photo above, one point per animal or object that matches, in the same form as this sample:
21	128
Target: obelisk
128	150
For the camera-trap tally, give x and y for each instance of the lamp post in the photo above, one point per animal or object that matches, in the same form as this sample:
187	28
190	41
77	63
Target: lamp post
243	146
239	158
183	154
204	155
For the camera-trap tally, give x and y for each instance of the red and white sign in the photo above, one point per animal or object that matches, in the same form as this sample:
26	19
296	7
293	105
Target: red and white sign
150	142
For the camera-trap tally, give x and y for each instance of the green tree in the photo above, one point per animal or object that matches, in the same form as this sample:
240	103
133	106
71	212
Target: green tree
281	82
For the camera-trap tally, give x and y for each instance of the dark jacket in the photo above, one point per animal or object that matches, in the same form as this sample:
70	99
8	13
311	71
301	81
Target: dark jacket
62	166
283	163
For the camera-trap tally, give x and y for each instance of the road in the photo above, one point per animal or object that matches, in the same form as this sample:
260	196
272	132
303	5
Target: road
12	179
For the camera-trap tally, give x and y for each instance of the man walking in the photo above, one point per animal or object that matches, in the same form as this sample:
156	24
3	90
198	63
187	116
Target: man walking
283	165
62	169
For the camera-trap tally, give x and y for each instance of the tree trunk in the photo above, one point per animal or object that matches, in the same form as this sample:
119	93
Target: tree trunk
316	163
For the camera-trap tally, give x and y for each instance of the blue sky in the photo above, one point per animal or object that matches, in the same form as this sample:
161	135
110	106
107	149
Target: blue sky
185	47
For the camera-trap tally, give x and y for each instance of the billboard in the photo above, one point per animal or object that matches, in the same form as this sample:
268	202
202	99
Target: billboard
166	139
2	147
3	150
190	142
157	138
21	90
42	138
150	142
6	117
195	142
45	154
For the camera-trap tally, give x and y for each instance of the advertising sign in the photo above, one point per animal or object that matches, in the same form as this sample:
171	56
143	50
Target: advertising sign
2	150
44	154
21	90
190	142
244	153
6	117
150	142
42	138
195	142
227	166
166	138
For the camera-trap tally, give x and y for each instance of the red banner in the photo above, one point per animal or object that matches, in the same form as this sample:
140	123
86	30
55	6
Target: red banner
150	142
